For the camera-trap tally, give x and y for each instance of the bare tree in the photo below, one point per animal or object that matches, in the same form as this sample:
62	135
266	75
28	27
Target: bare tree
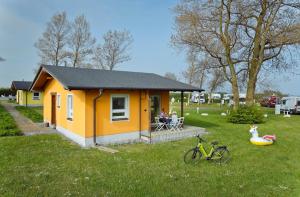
243	36
114	50
191	74
80	41
52	45
170	75
217	80
194	74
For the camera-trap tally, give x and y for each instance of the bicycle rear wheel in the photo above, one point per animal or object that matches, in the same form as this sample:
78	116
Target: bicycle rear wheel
221	155
192	156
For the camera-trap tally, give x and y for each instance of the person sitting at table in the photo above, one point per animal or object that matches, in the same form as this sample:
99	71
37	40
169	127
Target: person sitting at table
174	119
163	117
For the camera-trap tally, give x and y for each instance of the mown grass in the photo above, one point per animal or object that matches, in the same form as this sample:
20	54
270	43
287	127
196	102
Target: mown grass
33	113
8	125
49	165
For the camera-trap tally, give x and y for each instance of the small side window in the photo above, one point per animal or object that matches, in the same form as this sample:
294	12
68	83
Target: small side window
58	101
36	96
70	107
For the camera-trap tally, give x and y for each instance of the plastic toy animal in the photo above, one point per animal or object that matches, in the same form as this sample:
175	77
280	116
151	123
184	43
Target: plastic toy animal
261	141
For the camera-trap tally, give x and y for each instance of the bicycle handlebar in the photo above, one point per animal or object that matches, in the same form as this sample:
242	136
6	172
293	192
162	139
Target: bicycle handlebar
200	139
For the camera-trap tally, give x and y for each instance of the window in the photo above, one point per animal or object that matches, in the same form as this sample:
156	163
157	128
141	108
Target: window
283	102
58	101
36	96
70	107
119	107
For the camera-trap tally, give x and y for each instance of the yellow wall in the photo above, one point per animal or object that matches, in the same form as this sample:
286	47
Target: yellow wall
164	99
82	123
77	125
21	98
105	126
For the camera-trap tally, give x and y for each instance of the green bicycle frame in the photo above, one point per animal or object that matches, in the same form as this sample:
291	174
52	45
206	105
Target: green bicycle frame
203	151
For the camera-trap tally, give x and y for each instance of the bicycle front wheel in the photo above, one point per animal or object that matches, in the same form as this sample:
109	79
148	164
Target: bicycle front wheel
192	156
221	155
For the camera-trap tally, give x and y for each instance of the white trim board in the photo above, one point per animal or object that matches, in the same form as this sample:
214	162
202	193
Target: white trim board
31	105
73	136
122	138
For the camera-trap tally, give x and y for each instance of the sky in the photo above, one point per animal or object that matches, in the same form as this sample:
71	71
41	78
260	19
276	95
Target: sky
151	23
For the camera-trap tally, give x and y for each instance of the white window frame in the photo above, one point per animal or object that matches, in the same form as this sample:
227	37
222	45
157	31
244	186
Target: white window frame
58	100
126	110
36	97
70	112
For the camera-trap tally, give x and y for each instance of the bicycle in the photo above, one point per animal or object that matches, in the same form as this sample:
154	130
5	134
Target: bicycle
218	154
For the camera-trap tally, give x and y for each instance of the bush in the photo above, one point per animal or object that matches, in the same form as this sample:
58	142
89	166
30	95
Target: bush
246	115
7	91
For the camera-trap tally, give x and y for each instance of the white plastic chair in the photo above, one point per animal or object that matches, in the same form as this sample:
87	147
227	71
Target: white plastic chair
180	123
158	125
173	125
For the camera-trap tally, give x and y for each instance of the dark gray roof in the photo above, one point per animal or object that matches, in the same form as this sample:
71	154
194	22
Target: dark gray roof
83	78
21	85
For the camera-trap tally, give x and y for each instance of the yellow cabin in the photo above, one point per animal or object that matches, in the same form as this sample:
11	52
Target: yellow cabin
93	106
24	96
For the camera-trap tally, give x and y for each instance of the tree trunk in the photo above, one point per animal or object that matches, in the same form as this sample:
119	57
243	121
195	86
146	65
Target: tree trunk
235	92
257	58
251	85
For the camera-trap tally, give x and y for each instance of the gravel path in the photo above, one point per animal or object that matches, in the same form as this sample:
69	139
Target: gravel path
26	125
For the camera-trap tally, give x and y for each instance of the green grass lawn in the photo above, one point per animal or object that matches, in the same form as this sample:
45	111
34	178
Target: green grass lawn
8	125
49	165
33	113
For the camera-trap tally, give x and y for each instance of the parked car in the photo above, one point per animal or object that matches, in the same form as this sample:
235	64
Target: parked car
270	101
290	104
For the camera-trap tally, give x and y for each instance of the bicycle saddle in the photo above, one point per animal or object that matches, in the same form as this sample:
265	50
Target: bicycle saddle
214	143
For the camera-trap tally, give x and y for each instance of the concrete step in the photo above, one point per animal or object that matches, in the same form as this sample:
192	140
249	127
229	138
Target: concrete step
106	149
145	139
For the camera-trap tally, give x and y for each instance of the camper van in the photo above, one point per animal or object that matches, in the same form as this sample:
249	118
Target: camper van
290	104
227	97
215	96
197	97
242	100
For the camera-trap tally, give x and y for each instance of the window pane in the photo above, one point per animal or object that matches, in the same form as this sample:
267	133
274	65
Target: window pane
118	103
118	114
36	94
70	106
58	100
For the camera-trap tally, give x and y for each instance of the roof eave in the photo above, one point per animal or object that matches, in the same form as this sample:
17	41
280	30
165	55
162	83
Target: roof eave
41	69
132	88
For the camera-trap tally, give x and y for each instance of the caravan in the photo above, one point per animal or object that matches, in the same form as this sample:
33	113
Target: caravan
229	98
290	104
197	97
